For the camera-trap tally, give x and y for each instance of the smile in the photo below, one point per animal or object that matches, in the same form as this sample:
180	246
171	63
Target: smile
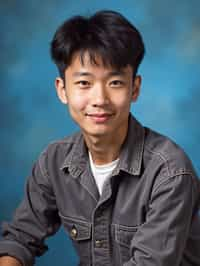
99	117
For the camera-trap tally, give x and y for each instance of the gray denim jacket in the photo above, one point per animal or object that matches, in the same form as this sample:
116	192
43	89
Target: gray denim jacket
147	214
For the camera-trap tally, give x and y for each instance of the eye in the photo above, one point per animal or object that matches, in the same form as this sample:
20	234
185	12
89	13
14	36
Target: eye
116	83
83	83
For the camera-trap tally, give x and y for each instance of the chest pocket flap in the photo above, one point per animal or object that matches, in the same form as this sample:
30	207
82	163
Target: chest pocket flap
78	229
124	234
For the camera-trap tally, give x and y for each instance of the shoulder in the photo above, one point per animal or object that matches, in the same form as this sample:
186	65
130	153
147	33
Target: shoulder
56	152
170	164
166	152
63	145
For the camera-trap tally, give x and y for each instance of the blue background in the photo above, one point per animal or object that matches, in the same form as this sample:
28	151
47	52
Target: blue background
31	115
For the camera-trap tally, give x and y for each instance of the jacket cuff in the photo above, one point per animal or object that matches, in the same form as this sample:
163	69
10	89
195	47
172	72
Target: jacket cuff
14	249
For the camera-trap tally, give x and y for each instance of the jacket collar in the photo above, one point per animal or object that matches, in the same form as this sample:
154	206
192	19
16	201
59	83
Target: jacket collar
132	150
130	156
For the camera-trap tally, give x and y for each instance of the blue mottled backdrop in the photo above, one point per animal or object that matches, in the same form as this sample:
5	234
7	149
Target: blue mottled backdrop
31	115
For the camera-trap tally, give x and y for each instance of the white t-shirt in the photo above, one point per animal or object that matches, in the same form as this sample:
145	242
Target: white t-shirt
102	172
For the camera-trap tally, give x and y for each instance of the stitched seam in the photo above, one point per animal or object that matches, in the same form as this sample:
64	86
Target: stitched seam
71	218
161	156
91	194
44	171
168	179
121	226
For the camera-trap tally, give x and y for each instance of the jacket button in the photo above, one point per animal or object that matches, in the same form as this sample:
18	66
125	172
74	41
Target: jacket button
73	232
98	243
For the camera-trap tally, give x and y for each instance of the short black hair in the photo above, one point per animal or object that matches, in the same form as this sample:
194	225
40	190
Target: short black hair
107	34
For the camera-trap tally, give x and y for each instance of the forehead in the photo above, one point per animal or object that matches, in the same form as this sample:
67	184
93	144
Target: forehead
94	64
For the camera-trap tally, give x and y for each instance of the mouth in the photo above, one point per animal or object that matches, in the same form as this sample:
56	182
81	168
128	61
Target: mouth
99	117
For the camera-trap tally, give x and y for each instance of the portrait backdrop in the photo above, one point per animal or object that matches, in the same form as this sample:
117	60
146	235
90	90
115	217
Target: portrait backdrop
31	115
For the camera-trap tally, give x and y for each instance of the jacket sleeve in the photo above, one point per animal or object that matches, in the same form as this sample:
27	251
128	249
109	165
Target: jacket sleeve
34	220
160	241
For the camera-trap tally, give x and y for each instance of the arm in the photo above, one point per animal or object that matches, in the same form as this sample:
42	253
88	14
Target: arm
160	241
9	261
35	219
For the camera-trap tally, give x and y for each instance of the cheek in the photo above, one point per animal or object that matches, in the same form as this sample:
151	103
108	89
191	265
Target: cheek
123	101
77	102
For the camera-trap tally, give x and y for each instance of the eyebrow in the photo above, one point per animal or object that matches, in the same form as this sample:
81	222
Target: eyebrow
110	74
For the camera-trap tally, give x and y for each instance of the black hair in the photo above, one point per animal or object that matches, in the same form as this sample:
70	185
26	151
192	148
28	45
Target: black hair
107	34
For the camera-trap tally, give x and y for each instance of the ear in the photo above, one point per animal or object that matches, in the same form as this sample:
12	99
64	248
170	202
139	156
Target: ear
136	88
60	89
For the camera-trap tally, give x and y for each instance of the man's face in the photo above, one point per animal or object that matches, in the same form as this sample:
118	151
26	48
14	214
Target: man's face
98	98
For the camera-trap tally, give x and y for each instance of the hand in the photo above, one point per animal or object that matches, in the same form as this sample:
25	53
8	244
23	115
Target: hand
9	261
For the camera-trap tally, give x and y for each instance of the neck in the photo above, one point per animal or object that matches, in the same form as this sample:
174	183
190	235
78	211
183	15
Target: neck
105	149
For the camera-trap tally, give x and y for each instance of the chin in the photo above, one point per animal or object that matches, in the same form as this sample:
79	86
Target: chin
97	133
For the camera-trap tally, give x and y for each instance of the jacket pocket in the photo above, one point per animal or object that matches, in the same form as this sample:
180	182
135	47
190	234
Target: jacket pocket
123	237
80	233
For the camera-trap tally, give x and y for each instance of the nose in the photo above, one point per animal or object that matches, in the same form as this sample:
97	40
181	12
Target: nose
99	96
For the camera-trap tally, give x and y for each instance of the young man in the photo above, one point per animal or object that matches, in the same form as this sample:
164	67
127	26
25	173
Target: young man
125	194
